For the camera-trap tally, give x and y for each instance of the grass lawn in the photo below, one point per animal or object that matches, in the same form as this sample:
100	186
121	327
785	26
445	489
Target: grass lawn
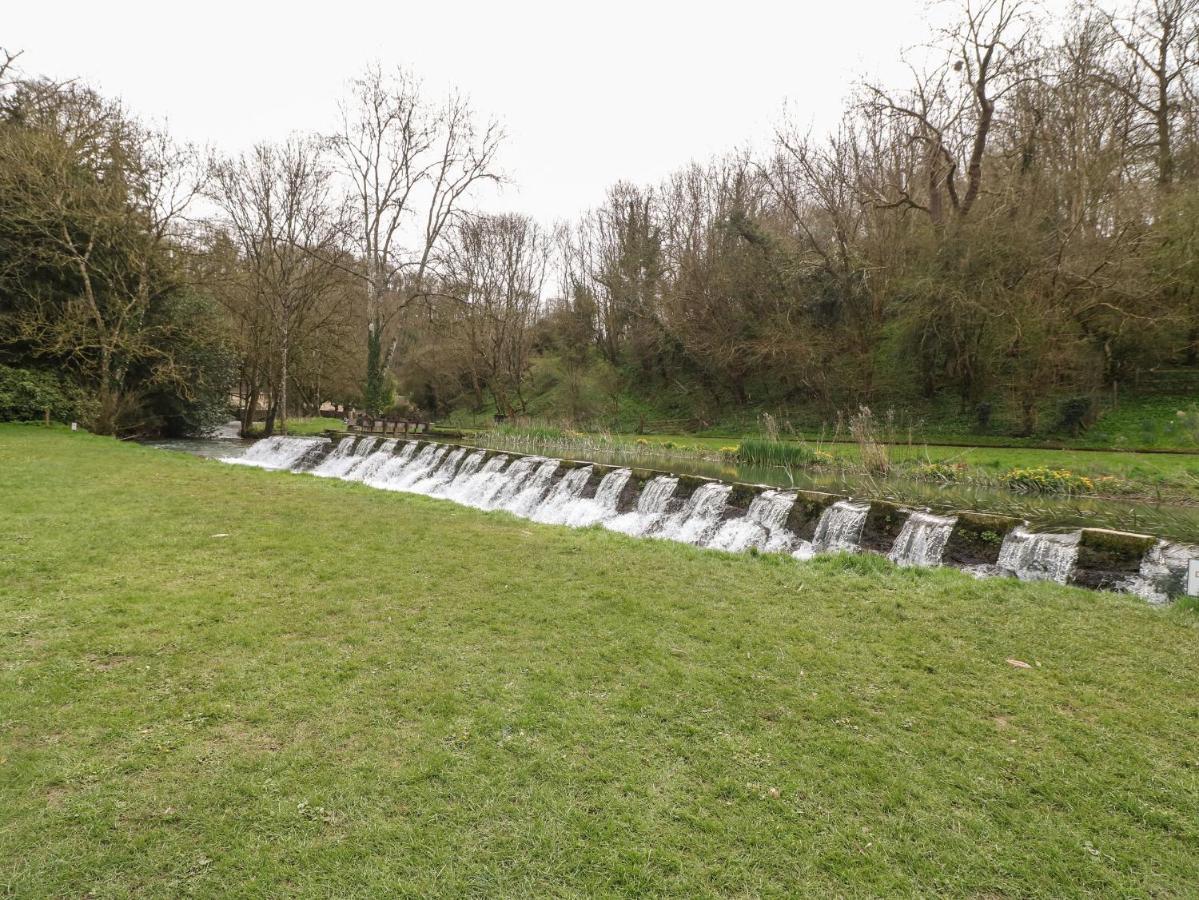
222	681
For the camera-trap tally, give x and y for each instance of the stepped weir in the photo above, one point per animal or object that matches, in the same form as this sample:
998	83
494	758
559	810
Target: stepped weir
735	517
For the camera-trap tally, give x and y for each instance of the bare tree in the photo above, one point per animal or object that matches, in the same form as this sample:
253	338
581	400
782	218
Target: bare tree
950	112
283	216
410	165
496	268
1152	64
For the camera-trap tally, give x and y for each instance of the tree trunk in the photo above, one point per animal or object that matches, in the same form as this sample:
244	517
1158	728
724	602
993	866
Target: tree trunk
283	375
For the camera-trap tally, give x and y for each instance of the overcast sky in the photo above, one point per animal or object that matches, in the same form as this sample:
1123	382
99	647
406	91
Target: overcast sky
589	93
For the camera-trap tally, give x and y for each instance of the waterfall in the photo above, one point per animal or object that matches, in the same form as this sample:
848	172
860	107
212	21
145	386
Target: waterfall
510	481
565	494
839	528
652	505
342	452
581	511
466	470
763	527
1037	556
546	490
400	476
340	463
922	540
1163	572
277	452
480	486
375	461
533	489
699	517
382	475
439	473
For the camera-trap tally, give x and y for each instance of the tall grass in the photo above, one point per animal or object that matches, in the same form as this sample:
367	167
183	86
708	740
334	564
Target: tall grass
762	451
872	437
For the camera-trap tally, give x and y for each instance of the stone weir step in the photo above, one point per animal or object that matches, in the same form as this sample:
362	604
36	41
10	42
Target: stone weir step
979	542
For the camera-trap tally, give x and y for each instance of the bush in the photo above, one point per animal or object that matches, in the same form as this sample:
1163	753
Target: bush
763	451
26	394
936	471
1076	416
1043	480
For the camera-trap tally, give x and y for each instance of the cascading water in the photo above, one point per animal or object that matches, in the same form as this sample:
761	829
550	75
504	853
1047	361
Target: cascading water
470	465
582	511
922	540
1163	572
401	477
1033	556
340	464
479	487
763	527
839	528
277	452
389	469
652	506
440	473
533	489
375	461
510	482
566	493
546	490
699	517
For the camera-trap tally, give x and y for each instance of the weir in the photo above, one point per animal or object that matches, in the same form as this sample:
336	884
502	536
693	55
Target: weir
735	518
922	540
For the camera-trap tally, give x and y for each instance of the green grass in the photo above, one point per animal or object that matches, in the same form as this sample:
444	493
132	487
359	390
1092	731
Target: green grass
222	681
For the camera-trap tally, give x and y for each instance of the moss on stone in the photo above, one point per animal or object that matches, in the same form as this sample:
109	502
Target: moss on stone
806	512
1106	558
977	538
882	525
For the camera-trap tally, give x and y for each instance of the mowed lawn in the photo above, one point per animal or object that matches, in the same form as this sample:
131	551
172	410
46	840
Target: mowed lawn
219	681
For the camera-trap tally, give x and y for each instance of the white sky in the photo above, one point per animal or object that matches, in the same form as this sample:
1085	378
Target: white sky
589	93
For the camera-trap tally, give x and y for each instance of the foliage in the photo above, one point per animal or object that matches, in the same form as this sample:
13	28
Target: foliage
26	394
91	282
763	451
1043	480
938	471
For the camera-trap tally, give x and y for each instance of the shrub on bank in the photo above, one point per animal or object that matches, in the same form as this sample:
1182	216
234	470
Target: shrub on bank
766	452
1043	480
26	394
939	471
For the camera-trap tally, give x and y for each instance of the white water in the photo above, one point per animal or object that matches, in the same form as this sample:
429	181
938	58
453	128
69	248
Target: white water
1163	572
533	489
384	472
839	529
276	452
342	462
566	493
582	511
537	488
699	517
763	527
1032	556
652	506
922	540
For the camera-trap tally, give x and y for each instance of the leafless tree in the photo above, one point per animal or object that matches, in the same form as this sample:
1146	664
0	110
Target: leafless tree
282	213
410	165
